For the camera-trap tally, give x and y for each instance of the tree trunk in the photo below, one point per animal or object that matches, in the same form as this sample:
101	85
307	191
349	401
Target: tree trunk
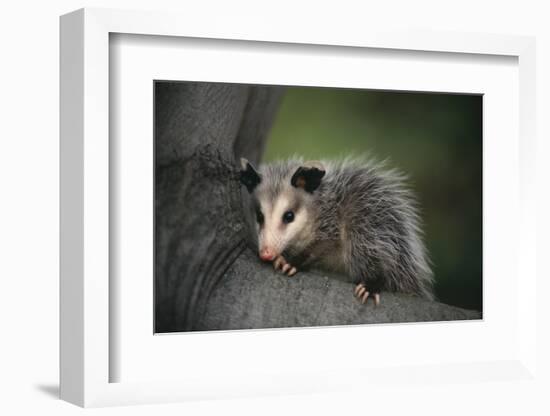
206	277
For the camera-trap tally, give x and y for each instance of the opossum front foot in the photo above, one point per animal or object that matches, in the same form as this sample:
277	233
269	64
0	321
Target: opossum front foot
281	264
363	293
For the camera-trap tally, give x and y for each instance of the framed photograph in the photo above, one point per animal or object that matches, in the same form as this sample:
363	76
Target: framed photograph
267	213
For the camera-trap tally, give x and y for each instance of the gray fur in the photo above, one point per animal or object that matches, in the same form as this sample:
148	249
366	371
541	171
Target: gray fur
362	221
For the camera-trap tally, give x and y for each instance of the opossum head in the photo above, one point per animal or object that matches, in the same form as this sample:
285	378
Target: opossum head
284	205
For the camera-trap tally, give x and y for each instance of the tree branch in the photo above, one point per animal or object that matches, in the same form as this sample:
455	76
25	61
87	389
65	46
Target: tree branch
253	295
199	223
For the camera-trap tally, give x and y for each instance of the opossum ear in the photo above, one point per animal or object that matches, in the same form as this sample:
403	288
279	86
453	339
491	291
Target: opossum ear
308	177
249	177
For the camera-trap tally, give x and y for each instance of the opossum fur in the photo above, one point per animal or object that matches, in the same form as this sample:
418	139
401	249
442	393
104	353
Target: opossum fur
354	217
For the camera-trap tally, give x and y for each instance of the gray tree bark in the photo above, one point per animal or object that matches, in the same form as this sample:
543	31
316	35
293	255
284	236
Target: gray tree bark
206	276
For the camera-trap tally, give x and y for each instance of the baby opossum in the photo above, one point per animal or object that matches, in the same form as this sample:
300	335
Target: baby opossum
353	217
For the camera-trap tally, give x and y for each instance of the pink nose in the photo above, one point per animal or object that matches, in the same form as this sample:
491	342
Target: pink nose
266	254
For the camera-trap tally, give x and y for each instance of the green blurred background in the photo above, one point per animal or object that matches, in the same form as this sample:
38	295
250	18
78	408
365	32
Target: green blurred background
435	138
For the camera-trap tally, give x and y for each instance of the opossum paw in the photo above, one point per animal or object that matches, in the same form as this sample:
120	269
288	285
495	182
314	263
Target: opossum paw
363	293
281	264
278	262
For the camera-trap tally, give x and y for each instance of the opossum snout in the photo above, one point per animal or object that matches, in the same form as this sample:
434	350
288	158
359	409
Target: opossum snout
266	254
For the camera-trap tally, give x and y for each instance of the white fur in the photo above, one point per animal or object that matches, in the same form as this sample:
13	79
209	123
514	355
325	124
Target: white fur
275	234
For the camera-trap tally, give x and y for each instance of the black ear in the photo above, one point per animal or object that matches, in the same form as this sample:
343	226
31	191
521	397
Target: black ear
308	177
249	177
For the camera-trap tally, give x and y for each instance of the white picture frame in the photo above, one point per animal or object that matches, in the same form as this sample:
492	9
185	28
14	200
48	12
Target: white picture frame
85	354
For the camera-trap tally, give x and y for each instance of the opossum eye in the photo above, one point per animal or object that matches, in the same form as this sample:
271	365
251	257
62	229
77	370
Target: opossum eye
288	217
259	217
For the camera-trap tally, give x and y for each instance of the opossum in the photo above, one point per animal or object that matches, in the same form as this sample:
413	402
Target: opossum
353	217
